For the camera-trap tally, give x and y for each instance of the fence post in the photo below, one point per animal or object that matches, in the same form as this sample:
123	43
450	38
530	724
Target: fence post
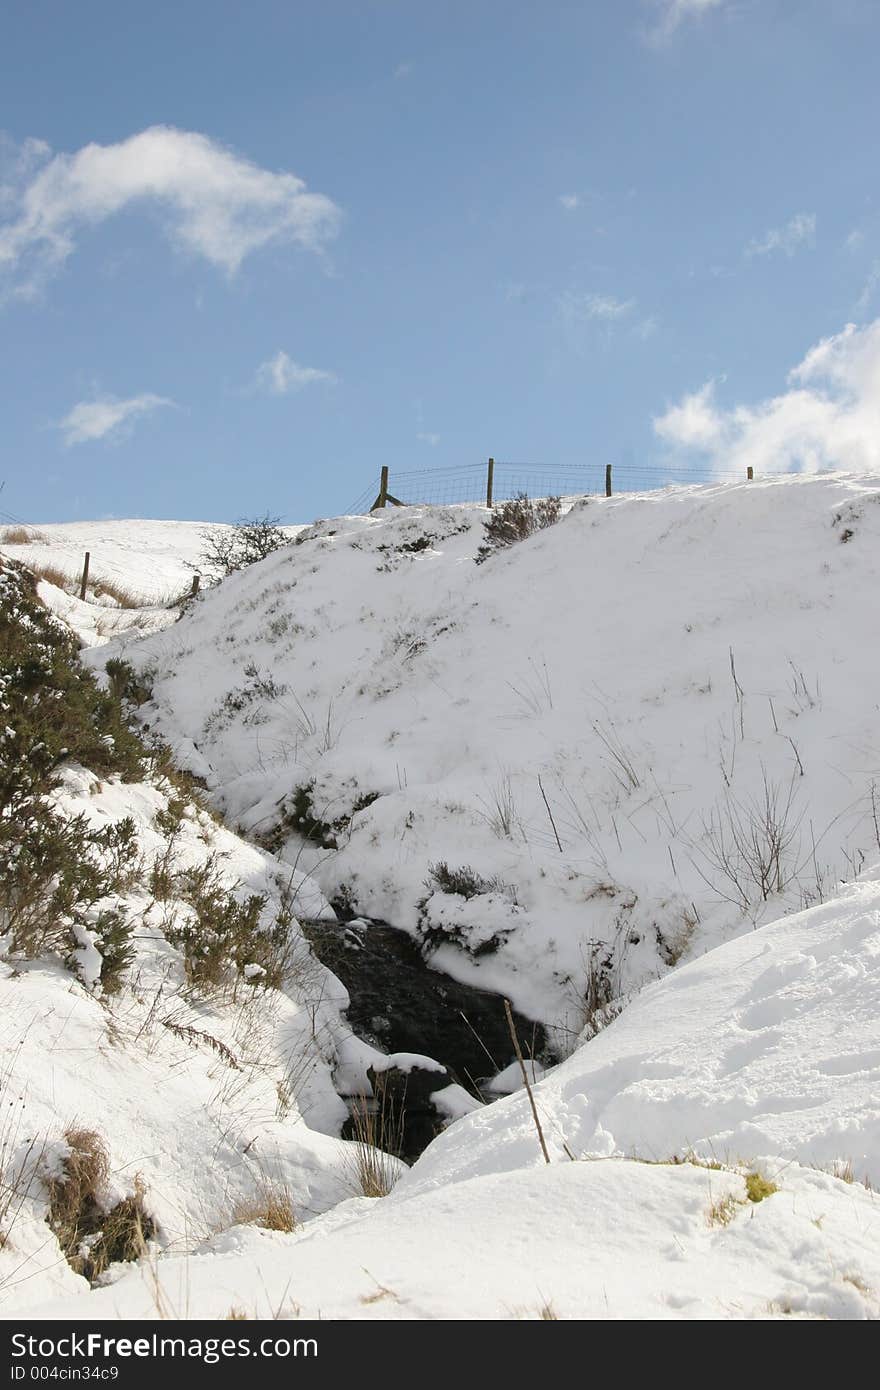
750	472
383	489
490	478
608	480
85	577
197	579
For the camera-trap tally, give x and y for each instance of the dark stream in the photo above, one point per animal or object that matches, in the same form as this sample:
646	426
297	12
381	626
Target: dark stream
399	1004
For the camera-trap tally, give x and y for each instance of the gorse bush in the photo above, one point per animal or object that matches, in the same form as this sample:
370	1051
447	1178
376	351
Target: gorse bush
58	875
515	520
52	709
464	881
226	939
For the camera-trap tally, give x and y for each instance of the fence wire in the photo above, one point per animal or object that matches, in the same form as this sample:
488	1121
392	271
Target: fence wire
467	482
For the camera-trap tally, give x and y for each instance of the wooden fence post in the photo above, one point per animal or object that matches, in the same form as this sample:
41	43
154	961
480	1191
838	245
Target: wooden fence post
85	577
608	480
490	478
384	495
750	472
197	579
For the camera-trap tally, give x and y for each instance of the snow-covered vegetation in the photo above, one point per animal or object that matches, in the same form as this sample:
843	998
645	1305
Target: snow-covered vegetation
620	767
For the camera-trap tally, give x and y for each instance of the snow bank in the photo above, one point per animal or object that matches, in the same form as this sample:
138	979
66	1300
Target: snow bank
582	722
765	1046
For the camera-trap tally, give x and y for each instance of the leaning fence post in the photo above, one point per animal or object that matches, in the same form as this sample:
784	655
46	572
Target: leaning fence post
608	480
750	472
85	577
197	579
490	478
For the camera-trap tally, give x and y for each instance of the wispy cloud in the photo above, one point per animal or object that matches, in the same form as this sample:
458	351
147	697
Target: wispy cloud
854	240
403	70
580	308
870	288
829	417
280	375
107	417
213	203
569	201
799	231
671	14
428	438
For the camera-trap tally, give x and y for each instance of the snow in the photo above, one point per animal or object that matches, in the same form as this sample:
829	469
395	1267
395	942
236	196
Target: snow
582	1240
583	723
764	1046
622	685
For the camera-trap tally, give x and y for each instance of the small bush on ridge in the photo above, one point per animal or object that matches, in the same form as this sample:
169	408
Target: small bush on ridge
515	520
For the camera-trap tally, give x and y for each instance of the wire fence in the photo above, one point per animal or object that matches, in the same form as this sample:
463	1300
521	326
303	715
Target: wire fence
468	482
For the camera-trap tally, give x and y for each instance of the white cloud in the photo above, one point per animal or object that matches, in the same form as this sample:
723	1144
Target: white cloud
580	307
212	203
799	231
694	423
828	418
673	13
432	439
854	240
106	418
569	201
403	70
281	375
869	289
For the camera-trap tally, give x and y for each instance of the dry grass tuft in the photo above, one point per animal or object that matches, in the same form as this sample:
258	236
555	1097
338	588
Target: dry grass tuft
845	1172
378	1137
91	1237
97	588
271	1208
22	535
722	1212
53	575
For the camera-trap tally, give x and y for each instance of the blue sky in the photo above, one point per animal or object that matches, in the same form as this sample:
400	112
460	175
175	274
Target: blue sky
250	253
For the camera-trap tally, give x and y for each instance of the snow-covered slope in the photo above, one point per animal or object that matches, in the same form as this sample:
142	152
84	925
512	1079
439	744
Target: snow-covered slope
626	767
641	729
748	1067
152	559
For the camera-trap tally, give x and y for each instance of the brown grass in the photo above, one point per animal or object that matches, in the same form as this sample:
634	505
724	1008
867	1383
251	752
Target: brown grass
271	1208
378	1134
845	1172
22	535
53	575
97	587
91	1237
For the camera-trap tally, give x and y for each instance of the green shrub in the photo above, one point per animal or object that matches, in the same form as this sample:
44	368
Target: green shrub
227	933
55	871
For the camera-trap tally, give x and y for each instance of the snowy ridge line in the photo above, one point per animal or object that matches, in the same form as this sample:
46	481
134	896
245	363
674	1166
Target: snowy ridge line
460	483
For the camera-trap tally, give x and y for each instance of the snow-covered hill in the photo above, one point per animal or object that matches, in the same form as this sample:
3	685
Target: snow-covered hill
624	773
639	731
697	1169
154	560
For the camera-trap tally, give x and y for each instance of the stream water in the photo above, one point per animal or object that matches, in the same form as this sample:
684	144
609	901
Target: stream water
399	1004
